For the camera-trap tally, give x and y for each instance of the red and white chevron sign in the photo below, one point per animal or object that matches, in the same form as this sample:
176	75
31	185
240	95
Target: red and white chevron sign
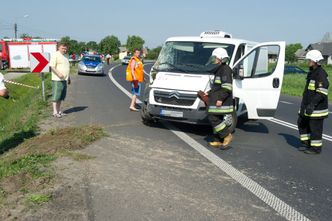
39	62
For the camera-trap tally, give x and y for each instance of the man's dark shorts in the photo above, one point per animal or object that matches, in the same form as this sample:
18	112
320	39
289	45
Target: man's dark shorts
59	90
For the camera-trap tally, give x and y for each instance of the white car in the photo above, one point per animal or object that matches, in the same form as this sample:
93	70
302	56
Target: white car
182	69
126	60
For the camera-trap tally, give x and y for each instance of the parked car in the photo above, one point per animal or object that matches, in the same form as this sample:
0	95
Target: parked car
294	70
126	60
91	64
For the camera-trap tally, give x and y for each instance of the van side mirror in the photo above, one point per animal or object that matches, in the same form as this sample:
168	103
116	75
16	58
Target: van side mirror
238	72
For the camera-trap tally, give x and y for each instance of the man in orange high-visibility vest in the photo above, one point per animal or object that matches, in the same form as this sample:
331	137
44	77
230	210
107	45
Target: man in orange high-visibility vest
135	75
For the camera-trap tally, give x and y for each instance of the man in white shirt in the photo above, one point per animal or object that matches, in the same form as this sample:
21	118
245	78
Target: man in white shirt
60	78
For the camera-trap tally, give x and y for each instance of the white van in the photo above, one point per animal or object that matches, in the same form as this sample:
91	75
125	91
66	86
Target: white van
182	69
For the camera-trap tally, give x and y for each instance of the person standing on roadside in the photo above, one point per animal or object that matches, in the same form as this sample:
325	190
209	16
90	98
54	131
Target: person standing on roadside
108	59
60	78
3	90
314	105
220	101
135	75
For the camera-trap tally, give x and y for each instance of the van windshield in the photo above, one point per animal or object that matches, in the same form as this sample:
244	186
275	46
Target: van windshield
189	57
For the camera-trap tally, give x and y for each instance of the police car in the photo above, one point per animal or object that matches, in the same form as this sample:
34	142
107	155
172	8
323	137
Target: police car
91	64
182	69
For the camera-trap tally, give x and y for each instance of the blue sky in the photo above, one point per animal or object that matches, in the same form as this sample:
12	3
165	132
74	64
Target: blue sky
258	20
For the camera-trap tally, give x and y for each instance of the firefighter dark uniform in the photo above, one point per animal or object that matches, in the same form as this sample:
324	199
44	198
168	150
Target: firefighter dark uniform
314	109
221	89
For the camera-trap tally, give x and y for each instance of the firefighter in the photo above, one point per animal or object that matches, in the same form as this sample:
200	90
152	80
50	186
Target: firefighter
220	103
314	106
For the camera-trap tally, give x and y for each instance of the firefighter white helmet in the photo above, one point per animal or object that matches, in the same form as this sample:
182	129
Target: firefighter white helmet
220	53
314	55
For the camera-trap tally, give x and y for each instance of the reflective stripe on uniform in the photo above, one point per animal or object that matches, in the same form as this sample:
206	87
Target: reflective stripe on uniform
217	80
222	109
322	91
227	86
219	127
318	113
316	143
304	137
311	85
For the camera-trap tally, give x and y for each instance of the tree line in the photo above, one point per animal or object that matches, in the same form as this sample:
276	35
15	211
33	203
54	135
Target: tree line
108	45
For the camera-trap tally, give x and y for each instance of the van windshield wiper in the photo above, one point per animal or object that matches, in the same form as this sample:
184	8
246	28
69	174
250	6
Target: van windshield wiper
175	68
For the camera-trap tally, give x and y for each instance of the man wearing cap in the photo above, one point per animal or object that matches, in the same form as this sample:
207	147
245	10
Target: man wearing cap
314	106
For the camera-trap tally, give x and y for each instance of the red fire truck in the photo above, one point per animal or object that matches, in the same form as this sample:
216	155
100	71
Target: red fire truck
15	53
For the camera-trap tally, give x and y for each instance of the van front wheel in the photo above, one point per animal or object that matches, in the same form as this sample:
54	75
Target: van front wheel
146	117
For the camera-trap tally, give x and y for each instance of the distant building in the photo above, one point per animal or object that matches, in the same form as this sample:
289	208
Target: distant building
324	46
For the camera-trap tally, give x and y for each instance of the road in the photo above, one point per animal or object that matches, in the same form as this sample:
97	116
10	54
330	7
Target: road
264	154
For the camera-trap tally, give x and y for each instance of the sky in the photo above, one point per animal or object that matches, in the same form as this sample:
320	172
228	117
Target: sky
91	20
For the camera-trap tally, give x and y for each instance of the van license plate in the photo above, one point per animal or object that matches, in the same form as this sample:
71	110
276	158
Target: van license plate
168	113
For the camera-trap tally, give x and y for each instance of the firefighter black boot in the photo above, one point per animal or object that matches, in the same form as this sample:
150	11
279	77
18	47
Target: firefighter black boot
313	150
305	145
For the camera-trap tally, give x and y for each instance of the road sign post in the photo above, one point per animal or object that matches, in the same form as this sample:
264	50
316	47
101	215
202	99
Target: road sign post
39	63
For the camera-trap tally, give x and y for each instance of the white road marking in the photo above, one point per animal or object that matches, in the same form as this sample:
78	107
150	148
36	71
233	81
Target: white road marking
293	126
119	85
263	194
285	102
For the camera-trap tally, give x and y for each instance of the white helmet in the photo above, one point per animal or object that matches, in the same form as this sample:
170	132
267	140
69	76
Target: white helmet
314	55
220	53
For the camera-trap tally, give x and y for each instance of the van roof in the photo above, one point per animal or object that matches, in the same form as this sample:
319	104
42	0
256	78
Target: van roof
234	41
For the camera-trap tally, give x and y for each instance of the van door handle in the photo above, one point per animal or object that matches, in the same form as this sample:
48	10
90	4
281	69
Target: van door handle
276	83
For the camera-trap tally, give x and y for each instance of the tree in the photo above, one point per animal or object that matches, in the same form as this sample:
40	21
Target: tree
73	45
92	45
290	51
153	53
109	44
134	42
25	35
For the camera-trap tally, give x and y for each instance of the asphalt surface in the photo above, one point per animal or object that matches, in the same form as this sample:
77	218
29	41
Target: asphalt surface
179	183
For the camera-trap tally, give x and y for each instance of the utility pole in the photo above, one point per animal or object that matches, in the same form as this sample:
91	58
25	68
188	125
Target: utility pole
15	30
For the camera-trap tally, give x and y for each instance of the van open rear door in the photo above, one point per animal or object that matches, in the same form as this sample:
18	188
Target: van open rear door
258	79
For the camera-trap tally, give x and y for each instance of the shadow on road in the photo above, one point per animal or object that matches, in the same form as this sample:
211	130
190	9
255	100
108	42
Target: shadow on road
291	140
75	109
252	126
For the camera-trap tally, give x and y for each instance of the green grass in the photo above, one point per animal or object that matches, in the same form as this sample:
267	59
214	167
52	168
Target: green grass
293	84
38	198
30	164
20	114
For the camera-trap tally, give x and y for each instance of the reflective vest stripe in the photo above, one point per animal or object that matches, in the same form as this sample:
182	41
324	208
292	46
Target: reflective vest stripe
227	86
217	80
318	113
219	127
316	143
222	109
322	91
304	137
311	86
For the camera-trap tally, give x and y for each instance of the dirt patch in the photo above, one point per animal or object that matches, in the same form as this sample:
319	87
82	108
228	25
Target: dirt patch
29	179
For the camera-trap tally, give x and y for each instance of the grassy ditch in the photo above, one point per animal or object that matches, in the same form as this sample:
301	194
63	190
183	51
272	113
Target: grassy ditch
26	171
19	115
293	84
